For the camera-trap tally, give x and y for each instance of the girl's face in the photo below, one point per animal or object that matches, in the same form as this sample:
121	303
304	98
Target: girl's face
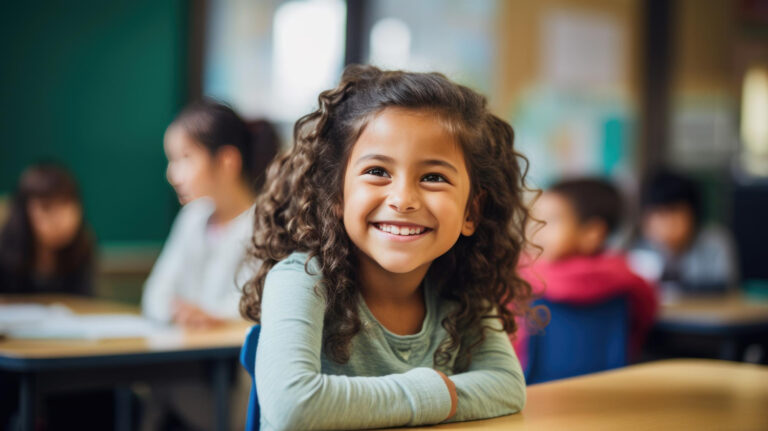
54	222
406	189
190	166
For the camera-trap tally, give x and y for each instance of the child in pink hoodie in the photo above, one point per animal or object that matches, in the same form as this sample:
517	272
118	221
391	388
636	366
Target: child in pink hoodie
572	266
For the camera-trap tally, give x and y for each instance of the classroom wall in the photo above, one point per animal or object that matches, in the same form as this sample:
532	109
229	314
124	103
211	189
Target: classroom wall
568	82
704	88
93	84
519	24
703	48
704	85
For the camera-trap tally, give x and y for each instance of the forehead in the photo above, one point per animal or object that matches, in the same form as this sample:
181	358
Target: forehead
177	140
680	207
551	203
53	202
408	134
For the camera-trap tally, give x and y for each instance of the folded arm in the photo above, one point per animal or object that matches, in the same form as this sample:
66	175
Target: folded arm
494	384
295	394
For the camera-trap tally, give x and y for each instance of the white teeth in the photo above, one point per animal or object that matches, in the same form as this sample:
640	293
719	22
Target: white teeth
396	230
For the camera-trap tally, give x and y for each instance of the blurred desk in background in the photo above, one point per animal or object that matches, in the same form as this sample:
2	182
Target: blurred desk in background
72	364
666	395
123	269
732	321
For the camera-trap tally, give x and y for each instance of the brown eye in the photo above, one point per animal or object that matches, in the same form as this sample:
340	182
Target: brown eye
379	172
434	178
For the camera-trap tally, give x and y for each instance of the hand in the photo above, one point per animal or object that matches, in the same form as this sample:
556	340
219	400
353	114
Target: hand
452	390
191	316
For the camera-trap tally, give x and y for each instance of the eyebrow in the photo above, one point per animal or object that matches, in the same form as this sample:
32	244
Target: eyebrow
387	159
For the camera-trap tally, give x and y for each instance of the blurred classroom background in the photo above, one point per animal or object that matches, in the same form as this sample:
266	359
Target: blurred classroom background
606	88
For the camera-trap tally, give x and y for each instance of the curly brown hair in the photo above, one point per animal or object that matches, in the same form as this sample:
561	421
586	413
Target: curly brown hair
300	206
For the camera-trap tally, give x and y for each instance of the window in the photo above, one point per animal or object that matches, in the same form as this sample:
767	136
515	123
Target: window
271	58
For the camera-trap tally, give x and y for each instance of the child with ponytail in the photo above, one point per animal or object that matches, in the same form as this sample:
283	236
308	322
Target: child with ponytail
215	164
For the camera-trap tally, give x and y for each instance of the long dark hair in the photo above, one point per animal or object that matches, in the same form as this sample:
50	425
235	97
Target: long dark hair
298	210
214	125
46	181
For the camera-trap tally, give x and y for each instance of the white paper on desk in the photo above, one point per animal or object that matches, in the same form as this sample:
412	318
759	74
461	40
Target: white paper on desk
90	326
19	314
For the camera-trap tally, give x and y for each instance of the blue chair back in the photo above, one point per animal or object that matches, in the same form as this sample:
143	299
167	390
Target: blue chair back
579	340
248	359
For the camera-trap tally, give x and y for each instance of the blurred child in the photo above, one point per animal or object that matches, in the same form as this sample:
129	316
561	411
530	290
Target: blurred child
675	250
390	234
215	163
574	267
45	246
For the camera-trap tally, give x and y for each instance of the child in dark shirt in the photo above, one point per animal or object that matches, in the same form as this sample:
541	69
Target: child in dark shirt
676	249
45	246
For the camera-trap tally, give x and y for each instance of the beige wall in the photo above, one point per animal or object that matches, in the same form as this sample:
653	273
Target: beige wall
703	34
519	41
703	37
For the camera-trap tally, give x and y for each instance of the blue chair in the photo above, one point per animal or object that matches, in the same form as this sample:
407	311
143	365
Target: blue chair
579	340
248	359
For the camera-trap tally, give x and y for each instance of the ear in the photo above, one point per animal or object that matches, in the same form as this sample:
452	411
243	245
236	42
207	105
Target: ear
229	158
468	228
472	215
593	235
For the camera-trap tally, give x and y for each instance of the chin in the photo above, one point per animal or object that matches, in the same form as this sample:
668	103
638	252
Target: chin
399	264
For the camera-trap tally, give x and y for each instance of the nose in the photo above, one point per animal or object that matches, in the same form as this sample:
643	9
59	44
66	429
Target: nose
404	197
171	174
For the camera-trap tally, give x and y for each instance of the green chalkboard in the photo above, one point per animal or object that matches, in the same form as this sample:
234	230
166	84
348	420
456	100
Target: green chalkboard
93	84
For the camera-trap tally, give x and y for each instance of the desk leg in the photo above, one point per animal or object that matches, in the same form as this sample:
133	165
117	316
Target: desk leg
27	402
729	349
221	380
122	408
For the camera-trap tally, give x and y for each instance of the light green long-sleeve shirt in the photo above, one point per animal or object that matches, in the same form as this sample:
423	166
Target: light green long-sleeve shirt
390	380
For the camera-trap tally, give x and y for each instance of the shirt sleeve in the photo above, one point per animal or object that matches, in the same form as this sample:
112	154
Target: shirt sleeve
160	287
494	384
715	265
295	394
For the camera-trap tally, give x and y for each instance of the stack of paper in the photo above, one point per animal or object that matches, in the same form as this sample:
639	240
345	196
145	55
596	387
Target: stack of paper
56	321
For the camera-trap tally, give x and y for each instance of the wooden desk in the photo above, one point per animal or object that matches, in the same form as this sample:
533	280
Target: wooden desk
734	319
666	395
733	309
49	365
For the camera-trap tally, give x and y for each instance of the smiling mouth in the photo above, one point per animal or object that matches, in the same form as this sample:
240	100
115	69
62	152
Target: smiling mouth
401	229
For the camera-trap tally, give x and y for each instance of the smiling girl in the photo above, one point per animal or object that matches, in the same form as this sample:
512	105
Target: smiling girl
389	236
